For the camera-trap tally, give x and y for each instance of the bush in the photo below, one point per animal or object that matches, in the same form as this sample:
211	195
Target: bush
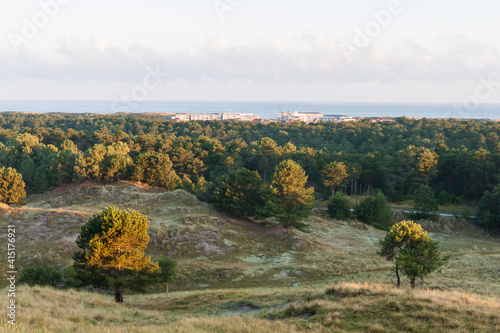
375	211
425	204
488	211
44	275
339	207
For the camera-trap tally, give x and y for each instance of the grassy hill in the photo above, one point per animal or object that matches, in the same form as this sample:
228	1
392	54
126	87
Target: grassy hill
342	307
246	269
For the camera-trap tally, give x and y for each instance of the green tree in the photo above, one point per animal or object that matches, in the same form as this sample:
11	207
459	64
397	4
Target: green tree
11	186
265	154
375	211
415	254
167	270
111	245
238	193
488	211
339	207
425	203
117	162
334	175
290	201
156	169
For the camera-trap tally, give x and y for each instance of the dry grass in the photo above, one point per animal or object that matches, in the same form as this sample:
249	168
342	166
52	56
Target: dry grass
215	251
343	307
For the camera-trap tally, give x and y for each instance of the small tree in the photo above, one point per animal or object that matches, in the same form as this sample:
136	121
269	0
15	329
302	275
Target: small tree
334	175
167	270
415	254
340	207
425	203
290	201
238	193
112	245
488	211
11	186
375	211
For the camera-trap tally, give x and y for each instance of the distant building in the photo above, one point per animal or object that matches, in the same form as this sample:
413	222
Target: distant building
337	118
178	117
305	117
311	117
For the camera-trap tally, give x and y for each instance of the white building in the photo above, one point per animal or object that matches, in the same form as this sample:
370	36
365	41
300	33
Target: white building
214	116
239	116
336	118
305	117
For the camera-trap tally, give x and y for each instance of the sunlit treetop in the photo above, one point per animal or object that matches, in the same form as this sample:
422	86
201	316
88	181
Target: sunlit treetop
408	232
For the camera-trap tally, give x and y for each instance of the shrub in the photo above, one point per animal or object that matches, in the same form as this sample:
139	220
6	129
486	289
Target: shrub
488	211
339	207
43	275
375	211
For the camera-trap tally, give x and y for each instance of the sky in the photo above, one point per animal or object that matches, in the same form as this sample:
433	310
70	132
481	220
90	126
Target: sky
251	50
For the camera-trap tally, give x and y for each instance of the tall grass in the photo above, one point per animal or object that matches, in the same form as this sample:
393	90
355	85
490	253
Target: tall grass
342	307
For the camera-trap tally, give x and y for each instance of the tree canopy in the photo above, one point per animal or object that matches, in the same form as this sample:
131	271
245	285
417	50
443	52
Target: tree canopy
111	244
11	186
290	200
458	159
489	209
414	252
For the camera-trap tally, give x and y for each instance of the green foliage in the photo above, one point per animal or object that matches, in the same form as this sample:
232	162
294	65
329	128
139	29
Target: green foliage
334	175
44	275
339	207
11	187
419	259
489	209
289	200
375	211
167	269
457	158
111	245
239	193
414	252
156	169
425	204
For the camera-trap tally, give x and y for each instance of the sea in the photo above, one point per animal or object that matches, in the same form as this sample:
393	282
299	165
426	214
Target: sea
265	110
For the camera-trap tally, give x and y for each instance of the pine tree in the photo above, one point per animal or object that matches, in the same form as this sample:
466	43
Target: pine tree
11	186
334	175
238	193
112	245
290	201
414	252
156	169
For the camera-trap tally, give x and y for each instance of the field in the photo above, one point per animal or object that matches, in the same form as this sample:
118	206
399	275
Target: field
242	270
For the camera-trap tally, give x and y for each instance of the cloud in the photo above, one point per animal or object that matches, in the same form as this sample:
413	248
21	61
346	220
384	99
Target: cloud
314	58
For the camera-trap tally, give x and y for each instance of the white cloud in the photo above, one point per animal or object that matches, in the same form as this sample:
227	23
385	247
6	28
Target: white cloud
318	59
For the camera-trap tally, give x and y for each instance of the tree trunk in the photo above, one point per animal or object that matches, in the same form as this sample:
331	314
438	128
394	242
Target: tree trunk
412	282
397	276
333	191
167	288
118	294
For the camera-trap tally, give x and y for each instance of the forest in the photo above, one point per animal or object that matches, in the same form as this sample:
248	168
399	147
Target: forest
458	159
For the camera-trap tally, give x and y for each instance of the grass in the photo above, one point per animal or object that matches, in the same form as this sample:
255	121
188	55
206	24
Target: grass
241	271
341	307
